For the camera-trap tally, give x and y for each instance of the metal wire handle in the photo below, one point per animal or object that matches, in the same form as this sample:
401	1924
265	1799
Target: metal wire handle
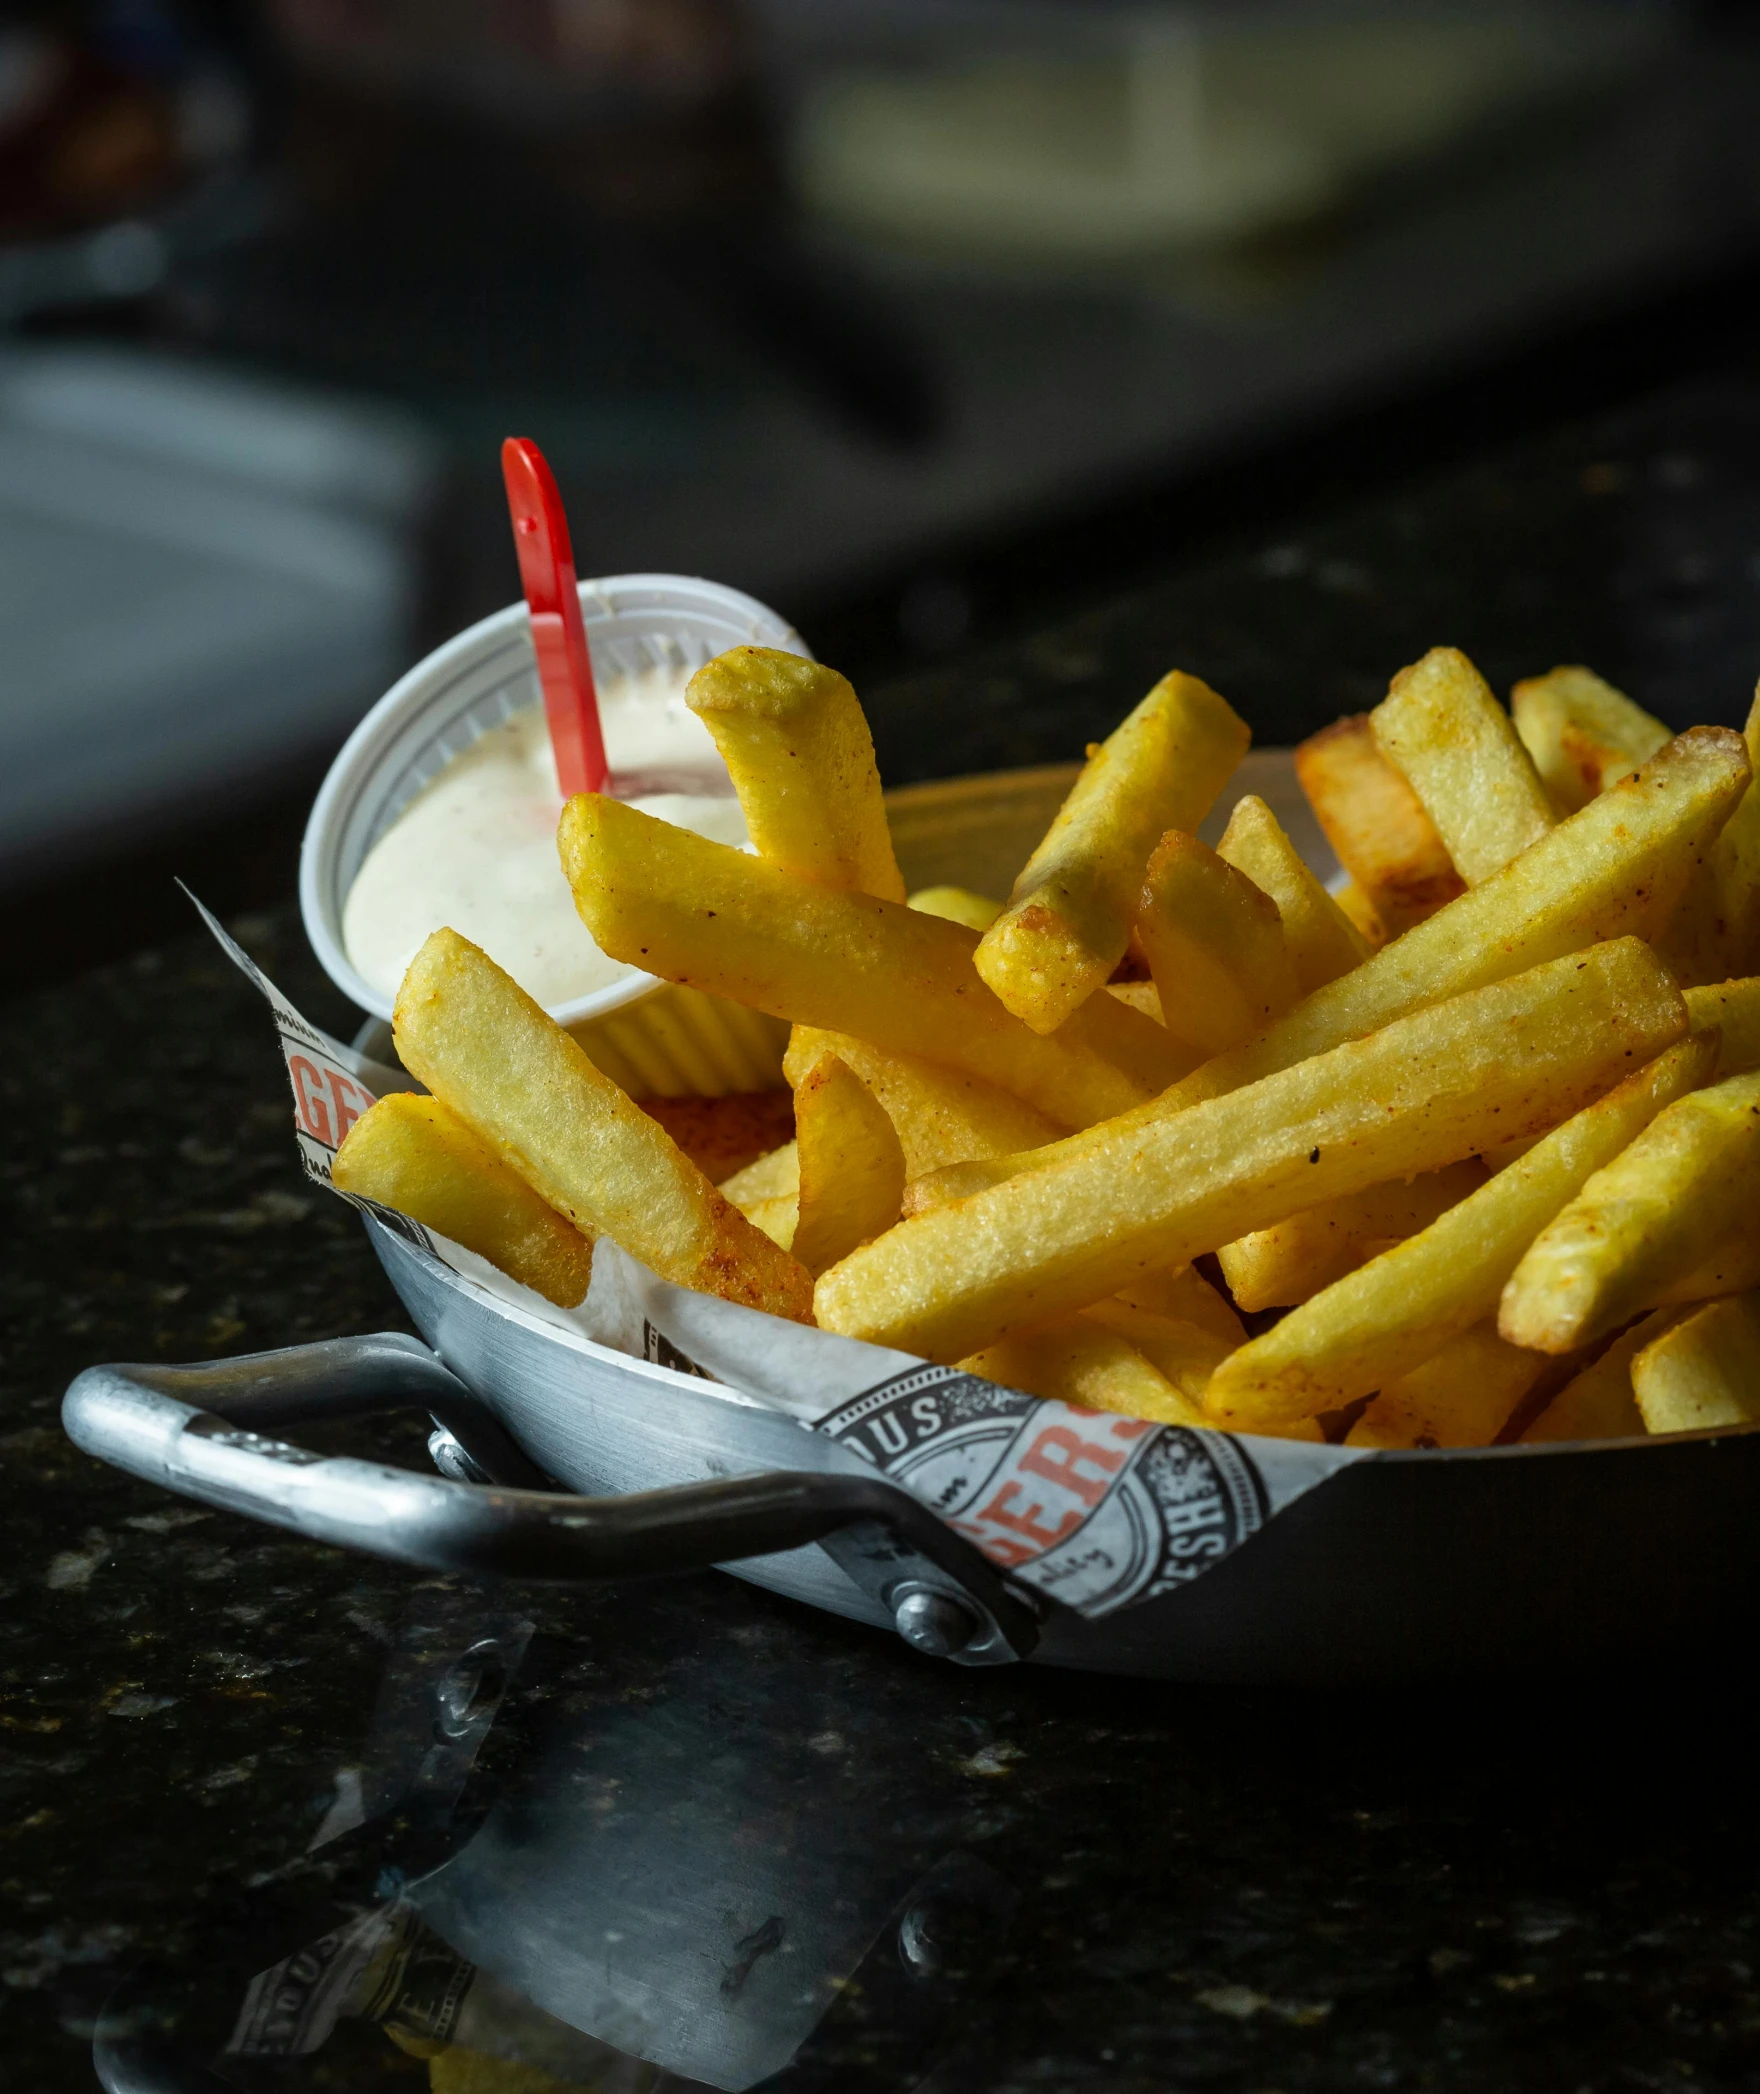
207	1431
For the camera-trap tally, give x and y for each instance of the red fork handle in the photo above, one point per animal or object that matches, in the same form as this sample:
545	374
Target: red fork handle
559	637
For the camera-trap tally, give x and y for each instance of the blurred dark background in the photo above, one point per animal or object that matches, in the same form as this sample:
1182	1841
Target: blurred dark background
937	324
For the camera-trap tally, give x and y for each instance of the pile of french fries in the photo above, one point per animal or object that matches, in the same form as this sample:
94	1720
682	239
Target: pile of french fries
1472	1150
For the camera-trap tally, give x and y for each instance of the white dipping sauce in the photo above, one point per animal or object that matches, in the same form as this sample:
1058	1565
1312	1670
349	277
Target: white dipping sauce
476	848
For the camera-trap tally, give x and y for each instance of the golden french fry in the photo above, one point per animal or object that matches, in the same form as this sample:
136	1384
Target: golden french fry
1376	824
1453	743
1141	996
657	897
1675	1217
1598	1404
1401	1308
1715	933
959	905
1185	1353
942	1115
1581	733
796	744
409	1153
1732	1010
1079	1360
1069	917
1423	1092
517	1080
851	1165
1215	945
1615	869
1736	861
1361	912
1277	1267
778	1217
1461	1397
958	1181
771	1177
1322	940
1184	1295
1704	1370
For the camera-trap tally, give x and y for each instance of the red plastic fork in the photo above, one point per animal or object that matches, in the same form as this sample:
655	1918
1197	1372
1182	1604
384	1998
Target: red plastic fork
559	638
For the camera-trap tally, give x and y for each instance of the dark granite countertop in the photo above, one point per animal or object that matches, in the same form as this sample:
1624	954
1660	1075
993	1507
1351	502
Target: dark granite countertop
1100	1884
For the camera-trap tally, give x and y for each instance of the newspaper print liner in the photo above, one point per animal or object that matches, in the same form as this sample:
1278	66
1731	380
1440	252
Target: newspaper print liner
1091	1509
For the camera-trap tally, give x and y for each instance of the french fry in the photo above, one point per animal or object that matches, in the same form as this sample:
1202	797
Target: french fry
1581	733
771	1177
1277	1267
517	1080
1423	1092
778	1217
1141	996
657	897
1453	743
1069	917
1214	943
1322	940
942	1115
1401	1308
1732	1010
1703	1370
958	1181
1616	868
1184	1295
796	744
410	1154
1673	1218
1361	912
959	905
851	1165
1078	1360
1598	1404
1376	824
1715	932
1728	1010
1185	1353
1461	1397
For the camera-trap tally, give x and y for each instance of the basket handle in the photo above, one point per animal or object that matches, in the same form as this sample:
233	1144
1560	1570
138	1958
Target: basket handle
207	1431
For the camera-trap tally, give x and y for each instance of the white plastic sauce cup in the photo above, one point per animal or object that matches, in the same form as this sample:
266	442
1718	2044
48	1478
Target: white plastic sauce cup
653	1038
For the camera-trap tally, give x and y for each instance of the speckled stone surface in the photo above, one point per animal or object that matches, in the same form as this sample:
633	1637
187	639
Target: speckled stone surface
1177	1887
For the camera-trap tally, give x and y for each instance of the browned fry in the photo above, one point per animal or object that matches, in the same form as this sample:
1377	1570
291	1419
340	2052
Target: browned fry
1215	945
1376	824
1582	733
722	1135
